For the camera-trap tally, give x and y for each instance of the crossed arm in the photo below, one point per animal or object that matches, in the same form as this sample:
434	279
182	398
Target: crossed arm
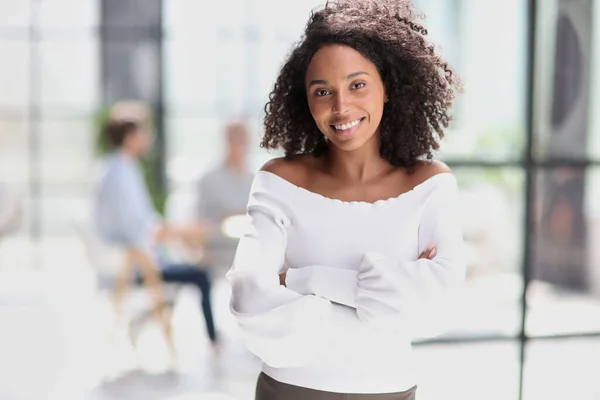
411	291
335	284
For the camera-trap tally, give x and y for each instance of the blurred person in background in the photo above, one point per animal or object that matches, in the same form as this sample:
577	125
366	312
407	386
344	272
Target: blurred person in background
357	214
124	213
10	210
223	193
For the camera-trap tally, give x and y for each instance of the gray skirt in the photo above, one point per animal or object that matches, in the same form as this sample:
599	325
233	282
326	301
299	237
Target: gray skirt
268	388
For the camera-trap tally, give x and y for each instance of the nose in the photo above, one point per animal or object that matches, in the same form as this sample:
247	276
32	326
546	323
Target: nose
340	104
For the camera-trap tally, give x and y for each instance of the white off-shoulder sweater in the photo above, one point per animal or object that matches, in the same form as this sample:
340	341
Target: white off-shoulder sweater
318	340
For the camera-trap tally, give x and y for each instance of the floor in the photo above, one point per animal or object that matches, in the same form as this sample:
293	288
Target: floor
58	341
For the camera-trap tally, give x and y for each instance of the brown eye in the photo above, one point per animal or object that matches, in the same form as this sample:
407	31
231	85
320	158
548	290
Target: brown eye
322	92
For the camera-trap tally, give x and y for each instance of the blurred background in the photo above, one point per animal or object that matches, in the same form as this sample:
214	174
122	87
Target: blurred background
525	146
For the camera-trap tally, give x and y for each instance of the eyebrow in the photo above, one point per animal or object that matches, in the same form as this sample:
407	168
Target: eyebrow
323	82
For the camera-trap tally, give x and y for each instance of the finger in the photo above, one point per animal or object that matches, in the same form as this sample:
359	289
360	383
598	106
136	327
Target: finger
433	253
282	279
426	253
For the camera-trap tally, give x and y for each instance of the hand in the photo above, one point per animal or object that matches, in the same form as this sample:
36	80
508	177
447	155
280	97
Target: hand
191	234
429	253
161	233
282	277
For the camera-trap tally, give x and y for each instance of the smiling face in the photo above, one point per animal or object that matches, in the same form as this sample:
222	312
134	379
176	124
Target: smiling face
345	96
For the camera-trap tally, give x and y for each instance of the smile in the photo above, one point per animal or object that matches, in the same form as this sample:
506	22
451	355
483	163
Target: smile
347	127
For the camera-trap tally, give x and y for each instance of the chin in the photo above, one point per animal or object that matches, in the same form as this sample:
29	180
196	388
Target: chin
349	145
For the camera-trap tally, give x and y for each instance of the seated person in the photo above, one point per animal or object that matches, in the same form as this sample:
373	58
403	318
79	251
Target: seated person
124	214
10	211
223	192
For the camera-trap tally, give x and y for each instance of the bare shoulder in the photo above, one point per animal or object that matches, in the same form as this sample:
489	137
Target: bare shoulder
433	167
292	169
277	165
425	170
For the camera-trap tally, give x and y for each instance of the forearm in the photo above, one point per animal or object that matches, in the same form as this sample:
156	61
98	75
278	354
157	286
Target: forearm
429	279
407	295
410	282
255	294
282	327
335	284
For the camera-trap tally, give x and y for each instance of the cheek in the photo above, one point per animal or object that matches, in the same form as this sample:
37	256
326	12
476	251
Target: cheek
318	110
375	105
147	142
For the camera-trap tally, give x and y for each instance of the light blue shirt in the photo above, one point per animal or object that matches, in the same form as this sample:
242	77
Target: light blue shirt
123	211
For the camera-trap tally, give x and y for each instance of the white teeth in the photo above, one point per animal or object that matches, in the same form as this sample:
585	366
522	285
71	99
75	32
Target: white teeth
349	125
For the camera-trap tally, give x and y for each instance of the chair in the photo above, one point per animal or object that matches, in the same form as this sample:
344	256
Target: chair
116	266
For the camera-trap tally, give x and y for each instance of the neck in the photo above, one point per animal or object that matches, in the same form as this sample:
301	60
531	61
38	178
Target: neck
360	165
128	153
235	164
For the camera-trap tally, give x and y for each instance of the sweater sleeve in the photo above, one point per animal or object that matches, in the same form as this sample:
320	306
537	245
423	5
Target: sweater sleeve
335	284
282	327
419	290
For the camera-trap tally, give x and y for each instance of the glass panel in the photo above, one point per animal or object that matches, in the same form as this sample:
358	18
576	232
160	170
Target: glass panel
194	147
59	208
191	72
58	14
181	18
491	215
16	254
230	63
67	149
564	296
266	14
133	13
272	16
131	70
51	252
567	80
264	60
14	150
489	115
16	248
14	215
15	13
565	369
14	75
258	156
455	371
594	132
70	73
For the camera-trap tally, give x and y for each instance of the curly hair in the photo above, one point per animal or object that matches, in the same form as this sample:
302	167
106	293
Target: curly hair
419	84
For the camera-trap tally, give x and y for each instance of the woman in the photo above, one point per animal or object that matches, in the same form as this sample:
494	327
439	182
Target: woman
358	215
